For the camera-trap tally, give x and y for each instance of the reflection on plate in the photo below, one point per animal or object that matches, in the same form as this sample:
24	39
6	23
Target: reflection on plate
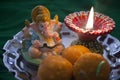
14	61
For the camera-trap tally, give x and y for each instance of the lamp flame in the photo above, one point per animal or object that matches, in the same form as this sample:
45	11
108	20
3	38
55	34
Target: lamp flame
90	21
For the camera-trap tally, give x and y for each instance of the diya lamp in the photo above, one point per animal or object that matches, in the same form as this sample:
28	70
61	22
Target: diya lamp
89	25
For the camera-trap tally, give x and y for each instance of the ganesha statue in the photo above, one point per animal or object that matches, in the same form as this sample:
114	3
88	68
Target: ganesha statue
44	33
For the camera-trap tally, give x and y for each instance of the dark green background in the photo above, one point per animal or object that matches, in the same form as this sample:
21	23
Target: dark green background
14	12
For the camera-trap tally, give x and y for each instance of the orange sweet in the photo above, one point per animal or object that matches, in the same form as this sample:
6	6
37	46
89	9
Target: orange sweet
55	67
91	67
72	53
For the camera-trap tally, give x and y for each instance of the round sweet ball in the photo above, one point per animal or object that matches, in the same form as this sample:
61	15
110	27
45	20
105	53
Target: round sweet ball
55	67
91	67
72	53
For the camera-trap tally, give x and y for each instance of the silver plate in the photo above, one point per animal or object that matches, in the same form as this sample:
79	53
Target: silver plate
14	62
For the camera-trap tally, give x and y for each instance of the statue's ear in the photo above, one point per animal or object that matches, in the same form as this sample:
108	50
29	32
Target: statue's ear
27	23
56	18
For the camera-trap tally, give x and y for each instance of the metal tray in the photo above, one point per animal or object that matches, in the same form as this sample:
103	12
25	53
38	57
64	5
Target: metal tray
14	61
